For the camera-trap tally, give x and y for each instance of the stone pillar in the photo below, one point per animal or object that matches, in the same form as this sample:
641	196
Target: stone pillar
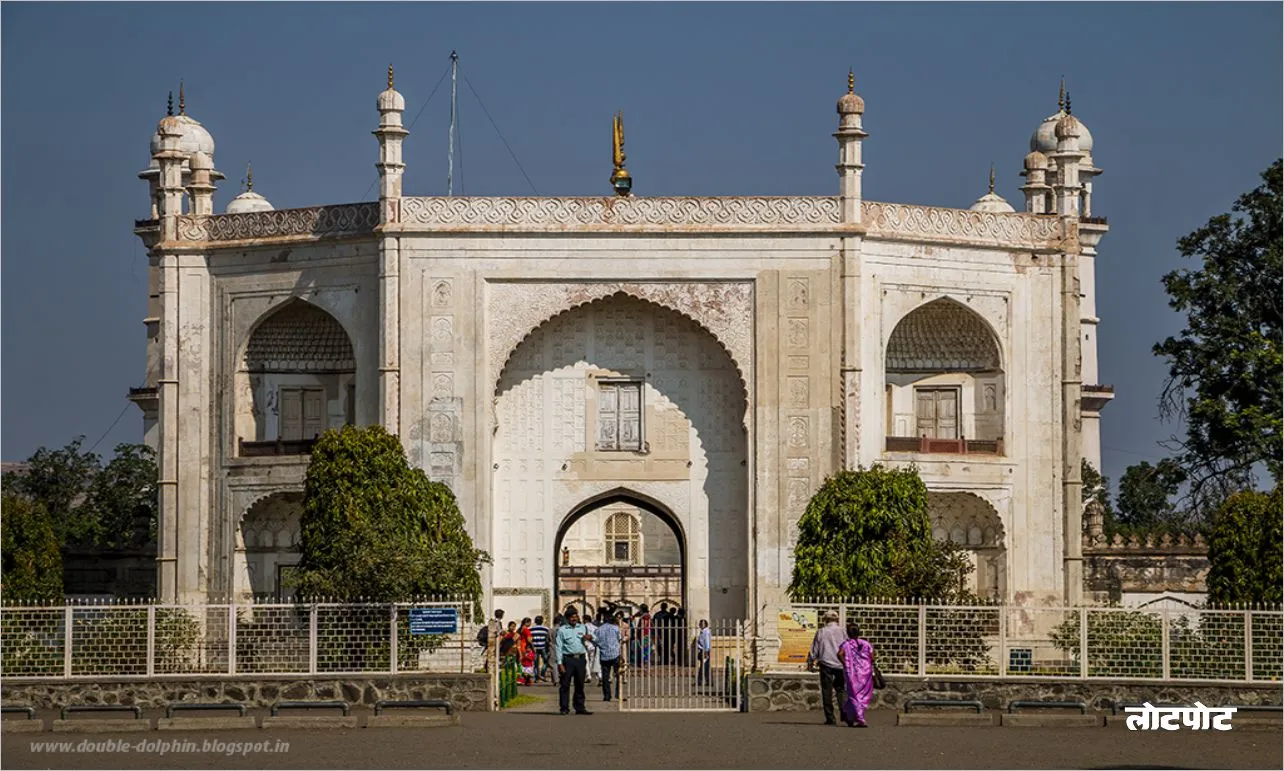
1072	424
390	135
850	134
201	188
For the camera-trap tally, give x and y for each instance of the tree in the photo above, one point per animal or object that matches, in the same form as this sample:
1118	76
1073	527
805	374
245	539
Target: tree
866	533
1146	494
123	501
1244	552
1224	368
31	563
1096	487
374	528
59	480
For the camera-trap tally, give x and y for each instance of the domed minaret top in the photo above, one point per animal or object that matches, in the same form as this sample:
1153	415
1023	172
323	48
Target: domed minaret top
1044	138
390	100
195	138
850	102
992	202
248	201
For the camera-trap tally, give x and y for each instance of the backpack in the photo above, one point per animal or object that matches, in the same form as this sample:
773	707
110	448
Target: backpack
483	635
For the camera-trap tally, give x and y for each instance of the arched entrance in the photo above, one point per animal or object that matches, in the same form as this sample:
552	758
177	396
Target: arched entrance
621	394
619	550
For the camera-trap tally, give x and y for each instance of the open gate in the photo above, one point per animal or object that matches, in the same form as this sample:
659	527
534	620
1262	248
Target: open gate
667	672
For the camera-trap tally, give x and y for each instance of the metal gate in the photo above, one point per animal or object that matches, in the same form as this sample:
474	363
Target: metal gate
670	670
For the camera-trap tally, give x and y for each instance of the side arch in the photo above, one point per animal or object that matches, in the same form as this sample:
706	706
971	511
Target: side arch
943	333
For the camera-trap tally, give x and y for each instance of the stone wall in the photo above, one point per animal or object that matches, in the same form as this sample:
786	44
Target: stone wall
1116	567
801	692
465	691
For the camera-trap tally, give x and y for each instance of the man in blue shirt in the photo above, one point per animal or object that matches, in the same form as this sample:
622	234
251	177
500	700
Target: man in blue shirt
608	648
572	661
704	649
540	642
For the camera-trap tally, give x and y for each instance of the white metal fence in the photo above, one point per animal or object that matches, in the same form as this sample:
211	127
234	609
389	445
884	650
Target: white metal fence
122	640
671	672
1236	645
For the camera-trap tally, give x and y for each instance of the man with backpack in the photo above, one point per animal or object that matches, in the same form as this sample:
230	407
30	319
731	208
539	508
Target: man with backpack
539	641
488	636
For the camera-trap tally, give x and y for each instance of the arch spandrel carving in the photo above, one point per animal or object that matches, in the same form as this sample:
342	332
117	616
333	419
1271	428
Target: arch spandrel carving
516	309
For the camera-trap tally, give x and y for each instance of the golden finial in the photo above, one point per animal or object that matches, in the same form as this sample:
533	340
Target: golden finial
851	80
249	176
1061	98
182	102
620	179
1068	103
991	176
389	77
169	106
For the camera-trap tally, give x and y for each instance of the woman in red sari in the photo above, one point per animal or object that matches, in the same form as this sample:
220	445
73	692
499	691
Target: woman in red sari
857	655
526	652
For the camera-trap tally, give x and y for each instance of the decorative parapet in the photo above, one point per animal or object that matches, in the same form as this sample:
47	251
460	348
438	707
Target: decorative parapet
790	212
316	221
1164	543
902	221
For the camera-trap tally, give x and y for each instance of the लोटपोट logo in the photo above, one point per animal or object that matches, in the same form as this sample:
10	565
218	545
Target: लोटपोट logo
1148	717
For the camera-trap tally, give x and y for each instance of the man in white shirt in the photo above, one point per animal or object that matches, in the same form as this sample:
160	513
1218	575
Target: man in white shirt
594	665
704	650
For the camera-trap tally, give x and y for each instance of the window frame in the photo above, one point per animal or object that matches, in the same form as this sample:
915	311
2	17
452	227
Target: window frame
957	393
618	384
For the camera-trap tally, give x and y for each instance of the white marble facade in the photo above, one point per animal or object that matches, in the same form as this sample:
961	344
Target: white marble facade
706	360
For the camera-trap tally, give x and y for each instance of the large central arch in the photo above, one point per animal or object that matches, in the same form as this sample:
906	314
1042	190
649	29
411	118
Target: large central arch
683	446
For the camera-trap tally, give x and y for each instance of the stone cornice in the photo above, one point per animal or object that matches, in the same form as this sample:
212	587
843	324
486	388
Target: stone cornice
653	216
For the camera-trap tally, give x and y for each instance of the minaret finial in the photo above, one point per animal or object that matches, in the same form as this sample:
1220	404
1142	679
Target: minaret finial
1067	103
249	177
851	80
182	102
389	77
169	105
991	177
620	179
1061	97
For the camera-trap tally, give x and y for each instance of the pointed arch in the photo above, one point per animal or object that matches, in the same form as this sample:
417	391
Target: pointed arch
297	336
943	335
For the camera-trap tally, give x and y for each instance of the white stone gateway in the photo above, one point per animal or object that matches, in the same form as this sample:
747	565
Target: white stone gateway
708	361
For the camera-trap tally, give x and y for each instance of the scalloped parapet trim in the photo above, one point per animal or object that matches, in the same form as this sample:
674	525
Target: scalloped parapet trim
663	214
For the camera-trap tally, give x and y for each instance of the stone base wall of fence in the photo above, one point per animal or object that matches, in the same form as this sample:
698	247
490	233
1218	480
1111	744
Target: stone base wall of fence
465	691
800	692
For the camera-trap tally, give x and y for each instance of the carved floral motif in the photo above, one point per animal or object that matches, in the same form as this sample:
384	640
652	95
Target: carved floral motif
888	219
761	210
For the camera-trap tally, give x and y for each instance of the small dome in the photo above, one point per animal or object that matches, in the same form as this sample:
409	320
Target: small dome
1069	126
1044	138
247	202
851	103
993	203
195	138
1036	160
390	100
201	161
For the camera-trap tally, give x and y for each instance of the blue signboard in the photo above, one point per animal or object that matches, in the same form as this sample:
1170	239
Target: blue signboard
434	621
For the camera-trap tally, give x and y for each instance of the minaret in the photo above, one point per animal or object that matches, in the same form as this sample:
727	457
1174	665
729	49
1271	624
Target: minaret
169	159
390	134
201	187
621	181
849	136
1067	157
1036	186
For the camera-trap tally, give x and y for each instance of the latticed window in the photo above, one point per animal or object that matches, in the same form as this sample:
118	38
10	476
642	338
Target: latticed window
623	539
619	415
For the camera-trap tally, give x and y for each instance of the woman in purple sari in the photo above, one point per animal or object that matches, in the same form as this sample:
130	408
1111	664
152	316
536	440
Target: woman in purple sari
857	656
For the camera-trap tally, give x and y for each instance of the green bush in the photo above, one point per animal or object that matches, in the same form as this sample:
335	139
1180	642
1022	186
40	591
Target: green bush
1244	550
31	566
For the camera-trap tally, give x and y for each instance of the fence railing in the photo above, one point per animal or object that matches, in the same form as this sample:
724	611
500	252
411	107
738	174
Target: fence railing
133	640
1083	643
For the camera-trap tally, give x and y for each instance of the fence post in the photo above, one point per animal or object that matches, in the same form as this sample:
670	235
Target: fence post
392	640
151	640
1248	645
1083	643
1003	640
922	640
312	640
68	624
231	638
1166	641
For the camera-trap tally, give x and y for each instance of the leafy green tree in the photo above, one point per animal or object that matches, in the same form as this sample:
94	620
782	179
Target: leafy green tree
867	533
1147	494
374	528
1224	368
32	562
1244	550
59	480
123	502
1097	487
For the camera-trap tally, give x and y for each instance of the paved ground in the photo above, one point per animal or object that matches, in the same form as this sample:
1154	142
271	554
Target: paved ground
538	738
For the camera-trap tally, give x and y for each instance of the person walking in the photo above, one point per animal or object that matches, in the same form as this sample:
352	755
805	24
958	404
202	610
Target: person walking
857	656
824	652
570	654
494	630
609	647
594	672
704	651
540	642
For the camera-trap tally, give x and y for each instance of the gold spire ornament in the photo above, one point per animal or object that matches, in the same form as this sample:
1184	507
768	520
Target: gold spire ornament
182	102
851	80
169	105
620	179
991	177
389	77
1061	98
1068	103
249	177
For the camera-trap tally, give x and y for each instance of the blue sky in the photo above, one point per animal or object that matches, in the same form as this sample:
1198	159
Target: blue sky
1183	100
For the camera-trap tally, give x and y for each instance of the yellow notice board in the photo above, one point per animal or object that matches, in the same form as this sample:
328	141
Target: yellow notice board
796	629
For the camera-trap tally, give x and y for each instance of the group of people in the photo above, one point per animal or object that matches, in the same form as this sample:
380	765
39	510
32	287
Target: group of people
847	670
593	650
